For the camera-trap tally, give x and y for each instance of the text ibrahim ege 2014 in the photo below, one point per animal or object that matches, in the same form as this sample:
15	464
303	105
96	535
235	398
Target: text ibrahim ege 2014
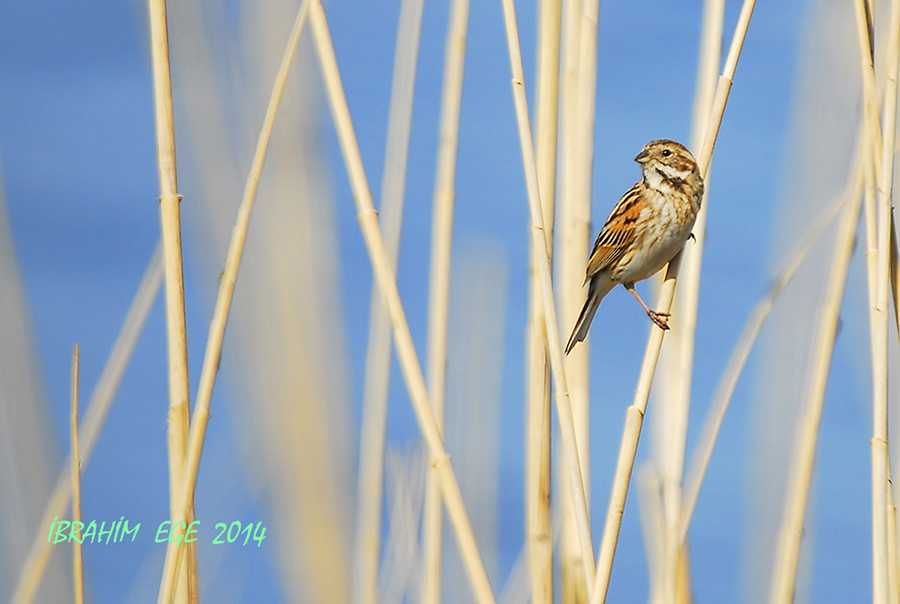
66	532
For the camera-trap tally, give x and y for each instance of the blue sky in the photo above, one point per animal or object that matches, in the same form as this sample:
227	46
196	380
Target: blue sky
78	165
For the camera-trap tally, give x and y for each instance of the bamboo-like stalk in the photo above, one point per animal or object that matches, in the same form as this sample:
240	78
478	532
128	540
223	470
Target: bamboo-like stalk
895	275
77	560
871	142
573	243
677	360
878	235
706	442
384	274
893	536
880	454
378	355
537	499
176	331
563	404
220	314
892	546
635	413
574	217
547	109
439	284
98	408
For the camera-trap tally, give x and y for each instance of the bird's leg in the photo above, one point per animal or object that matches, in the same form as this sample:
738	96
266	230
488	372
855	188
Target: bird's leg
660	318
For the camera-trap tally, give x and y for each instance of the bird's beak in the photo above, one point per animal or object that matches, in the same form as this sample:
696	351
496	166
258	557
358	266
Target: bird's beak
642	156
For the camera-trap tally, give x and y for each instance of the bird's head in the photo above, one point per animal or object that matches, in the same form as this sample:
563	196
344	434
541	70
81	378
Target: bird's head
669	164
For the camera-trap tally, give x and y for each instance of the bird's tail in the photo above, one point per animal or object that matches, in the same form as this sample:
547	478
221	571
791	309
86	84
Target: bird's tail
597	290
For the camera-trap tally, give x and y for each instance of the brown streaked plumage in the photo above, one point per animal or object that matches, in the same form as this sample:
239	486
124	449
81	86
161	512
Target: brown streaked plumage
649	225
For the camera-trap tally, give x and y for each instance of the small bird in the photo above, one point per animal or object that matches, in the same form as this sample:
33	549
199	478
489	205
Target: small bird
644	231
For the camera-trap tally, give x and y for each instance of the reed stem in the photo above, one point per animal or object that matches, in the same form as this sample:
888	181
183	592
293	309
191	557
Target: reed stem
220	314
176	331
538	530
573	242
77	559
439	286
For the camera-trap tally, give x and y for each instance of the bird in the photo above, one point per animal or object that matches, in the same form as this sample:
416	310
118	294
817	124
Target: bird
649	225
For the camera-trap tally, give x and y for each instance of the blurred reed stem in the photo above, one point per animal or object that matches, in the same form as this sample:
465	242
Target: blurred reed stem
709	432
77	558
800	476
378	354
439	283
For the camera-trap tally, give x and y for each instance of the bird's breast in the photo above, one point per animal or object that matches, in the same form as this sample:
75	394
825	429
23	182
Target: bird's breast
662	230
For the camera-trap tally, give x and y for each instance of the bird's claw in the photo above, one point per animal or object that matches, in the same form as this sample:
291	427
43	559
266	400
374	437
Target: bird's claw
660	318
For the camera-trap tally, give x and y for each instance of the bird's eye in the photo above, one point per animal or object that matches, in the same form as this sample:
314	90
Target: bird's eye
666	153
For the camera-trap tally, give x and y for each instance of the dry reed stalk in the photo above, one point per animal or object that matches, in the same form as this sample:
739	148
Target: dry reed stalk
384	274
573	242
223	305
564	409
895	275
706	441
539	527
176	331
547	109
378	354
800	477
569	264
634	416
893	536
880	454
871	144
77	559
892	547
439	283
98	407
878	230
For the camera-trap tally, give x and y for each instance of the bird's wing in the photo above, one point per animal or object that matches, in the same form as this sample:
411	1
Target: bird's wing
618	233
